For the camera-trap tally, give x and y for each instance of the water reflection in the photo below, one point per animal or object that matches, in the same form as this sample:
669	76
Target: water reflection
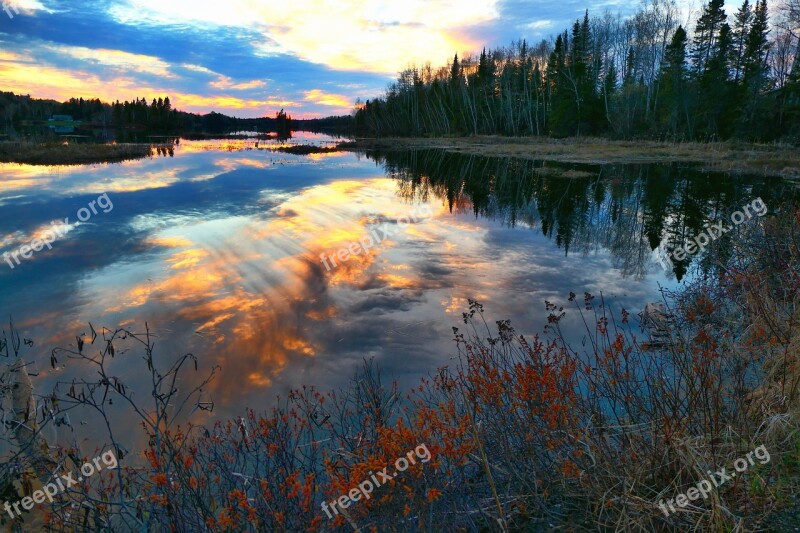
633	211
219	252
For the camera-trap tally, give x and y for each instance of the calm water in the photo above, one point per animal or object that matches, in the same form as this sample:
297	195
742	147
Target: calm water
217	247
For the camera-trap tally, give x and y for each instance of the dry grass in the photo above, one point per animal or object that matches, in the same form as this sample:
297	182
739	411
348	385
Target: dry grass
70	153
781	160
306	149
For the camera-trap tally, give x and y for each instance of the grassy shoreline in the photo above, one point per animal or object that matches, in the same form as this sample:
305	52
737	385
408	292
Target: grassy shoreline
31	153
738	158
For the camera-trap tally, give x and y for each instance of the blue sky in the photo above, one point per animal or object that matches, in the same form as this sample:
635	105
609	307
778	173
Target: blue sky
250	58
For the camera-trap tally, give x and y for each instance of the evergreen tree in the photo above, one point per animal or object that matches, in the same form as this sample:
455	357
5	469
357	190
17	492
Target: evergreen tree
455	71
741	31
561	90
673	86
755	54
630	69
707	32
755	113
715	87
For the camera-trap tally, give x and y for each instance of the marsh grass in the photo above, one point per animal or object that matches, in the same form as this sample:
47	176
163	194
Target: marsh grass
65	153
774	159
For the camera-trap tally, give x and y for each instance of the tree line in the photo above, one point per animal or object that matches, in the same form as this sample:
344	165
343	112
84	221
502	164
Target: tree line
642	76
136	114
157	116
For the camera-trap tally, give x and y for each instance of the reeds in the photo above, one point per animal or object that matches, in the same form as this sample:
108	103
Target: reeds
65	153
735	157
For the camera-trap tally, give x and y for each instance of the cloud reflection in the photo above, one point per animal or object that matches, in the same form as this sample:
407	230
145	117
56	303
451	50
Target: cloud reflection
221	258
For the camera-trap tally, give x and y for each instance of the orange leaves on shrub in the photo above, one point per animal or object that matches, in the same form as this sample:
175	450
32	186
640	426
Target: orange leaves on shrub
239	498
434	494
159	499
570	469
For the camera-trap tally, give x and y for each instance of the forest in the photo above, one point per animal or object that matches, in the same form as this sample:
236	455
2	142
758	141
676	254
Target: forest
158	116
644	76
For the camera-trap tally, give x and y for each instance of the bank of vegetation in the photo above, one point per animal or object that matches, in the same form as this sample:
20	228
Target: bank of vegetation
645	76
757	159
66	153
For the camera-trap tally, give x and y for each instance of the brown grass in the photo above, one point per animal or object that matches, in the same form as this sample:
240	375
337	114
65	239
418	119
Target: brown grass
70	153
781	160
307	149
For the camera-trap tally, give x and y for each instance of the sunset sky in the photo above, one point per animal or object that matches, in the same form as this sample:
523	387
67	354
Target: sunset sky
249	58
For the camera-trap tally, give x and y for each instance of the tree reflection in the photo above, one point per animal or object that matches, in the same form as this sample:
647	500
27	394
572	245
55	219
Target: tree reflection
629	210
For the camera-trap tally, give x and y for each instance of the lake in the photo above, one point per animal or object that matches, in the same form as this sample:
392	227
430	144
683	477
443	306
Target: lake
292	270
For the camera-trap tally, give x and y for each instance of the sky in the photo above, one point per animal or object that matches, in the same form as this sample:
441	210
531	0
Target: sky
250	58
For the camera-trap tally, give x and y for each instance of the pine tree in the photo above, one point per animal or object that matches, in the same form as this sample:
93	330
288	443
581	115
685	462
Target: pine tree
455	71
755	115
560	94
715	86
483	67
630	68
673	84
755	54
741	30
610	81
707	32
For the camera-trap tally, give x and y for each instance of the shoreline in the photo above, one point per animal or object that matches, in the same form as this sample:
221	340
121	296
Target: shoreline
733	157
57	154
767	160
29	153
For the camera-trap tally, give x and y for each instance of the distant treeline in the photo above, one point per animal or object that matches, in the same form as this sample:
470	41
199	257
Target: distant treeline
158	116
342	124
642	76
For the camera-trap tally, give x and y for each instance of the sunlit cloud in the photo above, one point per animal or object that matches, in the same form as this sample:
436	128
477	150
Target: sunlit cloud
250	58
117	60
540	24
321	97
190	102
62	84
375	36
227	83
11	56
223	82
27	7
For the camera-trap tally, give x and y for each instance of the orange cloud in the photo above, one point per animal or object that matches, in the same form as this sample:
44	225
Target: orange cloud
381	36
196	101
63	84
227	83
318	96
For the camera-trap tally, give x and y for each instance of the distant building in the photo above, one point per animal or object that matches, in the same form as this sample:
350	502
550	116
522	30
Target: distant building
62	123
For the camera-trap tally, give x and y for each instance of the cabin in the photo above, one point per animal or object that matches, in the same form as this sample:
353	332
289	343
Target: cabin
61	123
